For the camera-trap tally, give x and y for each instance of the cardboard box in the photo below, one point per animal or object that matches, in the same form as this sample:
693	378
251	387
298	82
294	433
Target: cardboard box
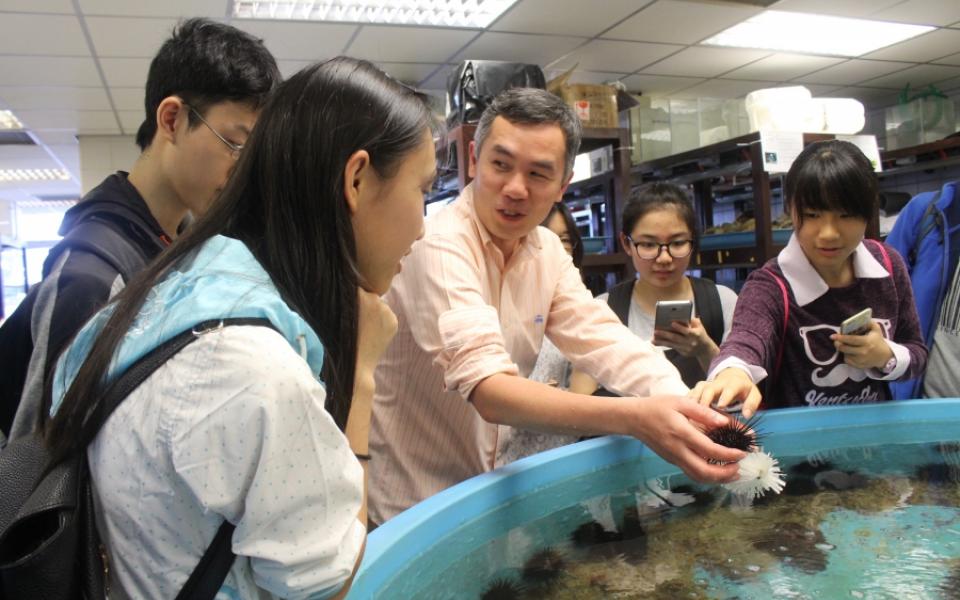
596	105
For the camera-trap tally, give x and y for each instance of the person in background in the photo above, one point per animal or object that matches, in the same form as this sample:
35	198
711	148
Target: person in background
474	301
786	326
205	88
659	233
927	234
264	427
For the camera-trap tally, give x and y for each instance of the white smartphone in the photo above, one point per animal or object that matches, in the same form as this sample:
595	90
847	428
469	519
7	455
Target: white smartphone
858	323
669	311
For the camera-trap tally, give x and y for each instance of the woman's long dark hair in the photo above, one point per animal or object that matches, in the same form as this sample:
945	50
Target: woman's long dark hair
286	202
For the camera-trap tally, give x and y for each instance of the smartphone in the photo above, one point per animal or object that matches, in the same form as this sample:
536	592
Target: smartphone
672	310
858	323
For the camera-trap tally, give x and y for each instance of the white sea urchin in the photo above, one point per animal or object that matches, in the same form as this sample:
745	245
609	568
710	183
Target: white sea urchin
759	472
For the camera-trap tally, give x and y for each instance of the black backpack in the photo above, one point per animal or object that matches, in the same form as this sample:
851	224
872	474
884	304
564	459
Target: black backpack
49	547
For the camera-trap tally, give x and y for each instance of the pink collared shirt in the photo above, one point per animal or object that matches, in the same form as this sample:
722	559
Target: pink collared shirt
463	316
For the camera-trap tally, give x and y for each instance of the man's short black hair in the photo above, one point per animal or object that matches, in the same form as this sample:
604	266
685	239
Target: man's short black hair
204	63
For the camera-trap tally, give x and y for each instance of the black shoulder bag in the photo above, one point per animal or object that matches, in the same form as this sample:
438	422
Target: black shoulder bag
49	547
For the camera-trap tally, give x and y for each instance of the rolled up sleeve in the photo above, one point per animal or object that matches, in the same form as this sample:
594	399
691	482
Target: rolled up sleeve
592	337
448	315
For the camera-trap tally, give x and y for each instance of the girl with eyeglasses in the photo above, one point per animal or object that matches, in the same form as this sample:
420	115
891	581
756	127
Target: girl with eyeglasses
659	234
787	326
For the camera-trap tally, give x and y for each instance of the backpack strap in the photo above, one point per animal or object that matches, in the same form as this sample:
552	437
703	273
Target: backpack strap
887	263
102	238
709	308
619	299
209	574
929	221
786	319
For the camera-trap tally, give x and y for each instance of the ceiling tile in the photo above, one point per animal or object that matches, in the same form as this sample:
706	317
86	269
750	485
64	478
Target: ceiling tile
658	85
410	73
853	72
408	44
564	17
588	77
130	120
950	86
922	12
51	35
680	22
167	8
52	98
927	47
48	70
127	98
783	67
438	81
916	77
126	72
535	49
299	39
620	57
703	61
953	59
846	8
127	37
68	119
721	88
38	6
289	67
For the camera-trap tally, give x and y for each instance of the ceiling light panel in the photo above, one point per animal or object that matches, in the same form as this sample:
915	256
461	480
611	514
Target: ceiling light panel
9	121
815	34
437	13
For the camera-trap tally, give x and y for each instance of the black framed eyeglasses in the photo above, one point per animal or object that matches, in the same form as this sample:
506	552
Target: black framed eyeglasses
651	250
235	149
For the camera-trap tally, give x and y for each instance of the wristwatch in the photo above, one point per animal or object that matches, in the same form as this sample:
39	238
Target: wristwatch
890	366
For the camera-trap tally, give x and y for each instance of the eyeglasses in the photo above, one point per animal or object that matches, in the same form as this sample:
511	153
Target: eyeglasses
235	149
652	250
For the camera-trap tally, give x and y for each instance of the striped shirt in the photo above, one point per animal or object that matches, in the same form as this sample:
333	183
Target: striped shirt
465	315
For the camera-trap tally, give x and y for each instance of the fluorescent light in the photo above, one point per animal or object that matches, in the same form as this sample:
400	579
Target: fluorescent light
438	13
33	175
815	34
9	121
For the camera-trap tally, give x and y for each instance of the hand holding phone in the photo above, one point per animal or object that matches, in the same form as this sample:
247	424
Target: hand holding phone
669	311
858	324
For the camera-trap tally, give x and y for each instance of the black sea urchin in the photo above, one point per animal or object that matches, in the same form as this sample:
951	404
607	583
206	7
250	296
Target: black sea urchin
544	567
742	435
503	589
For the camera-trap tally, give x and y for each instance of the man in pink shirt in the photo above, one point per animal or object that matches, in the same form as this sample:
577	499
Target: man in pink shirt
474	299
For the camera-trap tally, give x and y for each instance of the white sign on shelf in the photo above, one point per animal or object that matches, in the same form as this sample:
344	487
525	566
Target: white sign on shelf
867	145
780	149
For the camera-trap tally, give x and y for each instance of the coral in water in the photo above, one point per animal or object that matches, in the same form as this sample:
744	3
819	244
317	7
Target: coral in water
591	534
543	568
503	589
796	545
742	435
759	473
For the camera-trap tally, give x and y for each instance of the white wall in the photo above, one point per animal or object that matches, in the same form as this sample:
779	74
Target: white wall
102	155
6	218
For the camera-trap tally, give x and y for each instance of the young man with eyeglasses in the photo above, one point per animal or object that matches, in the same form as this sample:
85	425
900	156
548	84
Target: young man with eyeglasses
204	90
474	300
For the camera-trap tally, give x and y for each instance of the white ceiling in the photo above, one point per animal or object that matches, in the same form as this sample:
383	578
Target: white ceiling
76	67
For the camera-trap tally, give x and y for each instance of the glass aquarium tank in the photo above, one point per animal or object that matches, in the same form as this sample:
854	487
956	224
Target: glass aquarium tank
870	509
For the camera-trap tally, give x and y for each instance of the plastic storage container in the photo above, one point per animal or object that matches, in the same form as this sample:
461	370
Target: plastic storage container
918	122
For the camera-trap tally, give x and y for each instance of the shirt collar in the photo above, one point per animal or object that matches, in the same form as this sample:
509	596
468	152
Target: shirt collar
806	283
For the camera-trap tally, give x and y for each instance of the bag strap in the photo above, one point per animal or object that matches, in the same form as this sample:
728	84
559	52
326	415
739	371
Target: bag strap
928	222
209	574
619	299
887	263
786	318
709	308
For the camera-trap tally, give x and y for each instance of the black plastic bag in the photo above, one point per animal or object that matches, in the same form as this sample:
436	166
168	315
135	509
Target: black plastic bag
475	83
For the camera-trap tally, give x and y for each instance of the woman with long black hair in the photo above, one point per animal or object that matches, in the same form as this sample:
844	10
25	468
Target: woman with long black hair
265	427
